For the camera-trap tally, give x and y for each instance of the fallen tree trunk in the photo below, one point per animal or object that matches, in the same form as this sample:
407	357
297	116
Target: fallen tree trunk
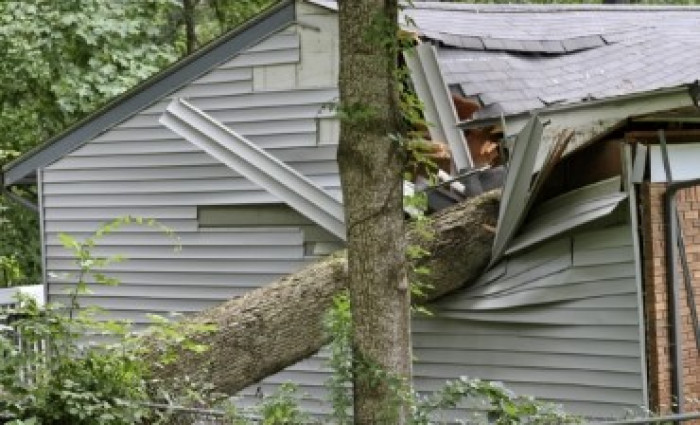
280	324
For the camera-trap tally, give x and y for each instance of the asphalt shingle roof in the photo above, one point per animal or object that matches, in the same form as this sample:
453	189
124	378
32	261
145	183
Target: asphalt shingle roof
517	58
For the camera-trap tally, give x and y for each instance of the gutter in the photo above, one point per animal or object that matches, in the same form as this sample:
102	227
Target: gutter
693	89
14	197
674	237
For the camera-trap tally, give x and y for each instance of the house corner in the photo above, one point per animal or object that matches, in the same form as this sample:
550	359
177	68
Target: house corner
656	298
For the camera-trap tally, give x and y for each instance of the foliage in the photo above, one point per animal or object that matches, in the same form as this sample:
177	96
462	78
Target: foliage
646	2
56	377
63	59
20	251
501	406
338	324
214	17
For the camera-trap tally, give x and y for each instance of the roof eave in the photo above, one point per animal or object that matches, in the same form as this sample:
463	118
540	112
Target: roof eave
151	90
691	89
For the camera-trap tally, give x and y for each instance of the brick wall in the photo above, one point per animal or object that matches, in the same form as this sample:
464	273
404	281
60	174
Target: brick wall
655	294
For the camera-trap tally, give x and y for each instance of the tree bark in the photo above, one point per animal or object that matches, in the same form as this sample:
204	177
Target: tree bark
277	325
190	32
371	172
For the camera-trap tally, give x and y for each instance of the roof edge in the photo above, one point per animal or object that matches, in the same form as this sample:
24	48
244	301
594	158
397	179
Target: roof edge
151	90
546	8
692	89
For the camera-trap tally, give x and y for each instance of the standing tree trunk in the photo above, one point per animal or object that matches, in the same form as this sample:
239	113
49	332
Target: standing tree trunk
371	174
190	32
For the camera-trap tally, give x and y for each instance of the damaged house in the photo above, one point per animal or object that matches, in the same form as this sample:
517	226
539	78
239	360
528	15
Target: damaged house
586	115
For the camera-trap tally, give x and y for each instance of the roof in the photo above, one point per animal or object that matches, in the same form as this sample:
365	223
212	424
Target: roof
515	58
512	58
150	91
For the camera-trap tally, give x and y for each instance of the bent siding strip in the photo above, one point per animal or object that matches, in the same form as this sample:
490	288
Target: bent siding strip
141	168
559	331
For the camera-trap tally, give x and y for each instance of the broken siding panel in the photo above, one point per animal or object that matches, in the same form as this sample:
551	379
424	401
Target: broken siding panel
516	190
579	347
568	212
258	166
587	306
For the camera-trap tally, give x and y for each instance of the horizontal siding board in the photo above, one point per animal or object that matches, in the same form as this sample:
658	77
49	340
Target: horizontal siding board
93	225
539	360
262	114
163	199
187	252
620	254
557	250
544	272
559	277
174	280
251	215
225	76
174	186
162	305
288	155
546	295
240	237
128	291
455	328
259	265
491	358
546	315
246	129
602	188
529	345
281	41
77	214
223	88
605	238
587	378
271	140
552	225
260	99
262	58
198	172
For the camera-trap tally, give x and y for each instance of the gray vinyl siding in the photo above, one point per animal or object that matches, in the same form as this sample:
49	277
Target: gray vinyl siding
558	322
140	168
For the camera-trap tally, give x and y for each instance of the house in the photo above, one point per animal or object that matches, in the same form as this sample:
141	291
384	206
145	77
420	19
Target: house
575	307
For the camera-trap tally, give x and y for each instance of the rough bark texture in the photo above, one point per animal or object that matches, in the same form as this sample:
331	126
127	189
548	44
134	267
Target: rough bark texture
190	34
371	172
280	324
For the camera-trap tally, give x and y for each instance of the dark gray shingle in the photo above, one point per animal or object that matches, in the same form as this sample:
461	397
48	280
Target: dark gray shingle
534	54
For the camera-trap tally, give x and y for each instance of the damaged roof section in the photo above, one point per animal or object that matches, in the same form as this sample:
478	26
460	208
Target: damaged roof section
519	58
